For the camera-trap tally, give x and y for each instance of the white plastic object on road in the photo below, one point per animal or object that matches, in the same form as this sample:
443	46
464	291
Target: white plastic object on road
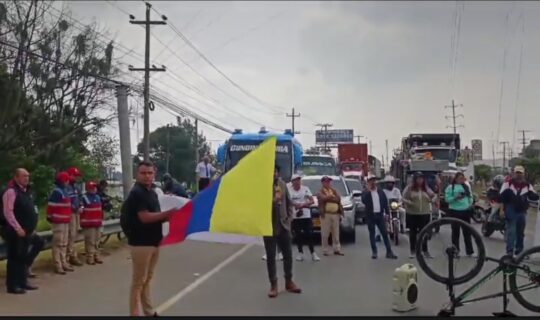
405	293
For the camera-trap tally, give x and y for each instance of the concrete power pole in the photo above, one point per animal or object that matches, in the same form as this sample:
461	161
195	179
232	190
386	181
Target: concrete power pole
504	144
387	155
196	145
125	141
454	126
147	23
325	126
524	139
293	116
358	138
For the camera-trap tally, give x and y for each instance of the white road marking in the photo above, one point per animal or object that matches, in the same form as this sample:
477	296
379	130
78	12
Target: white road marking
169	303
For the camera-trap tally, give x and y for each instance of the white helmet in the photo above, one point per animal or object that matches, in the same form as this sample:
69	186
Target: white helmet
389	178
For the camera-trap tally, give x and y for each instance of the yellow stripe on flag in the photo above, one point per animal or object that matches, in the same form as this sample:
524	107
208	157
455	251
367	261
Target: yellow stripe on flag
244	200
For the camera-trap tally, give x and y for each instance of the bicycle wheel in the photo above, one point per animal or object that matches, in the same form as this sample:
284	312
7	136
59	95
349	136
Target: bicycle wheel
444	226
525	284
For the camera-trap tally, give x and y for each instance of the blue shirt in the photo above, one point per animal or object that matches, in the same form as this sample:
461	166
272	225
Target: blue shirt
74	193
58	194
91	198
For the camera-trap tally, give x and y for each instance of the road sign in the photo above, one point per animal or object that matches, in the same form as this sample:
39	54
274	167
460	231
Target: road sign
476	149
334	136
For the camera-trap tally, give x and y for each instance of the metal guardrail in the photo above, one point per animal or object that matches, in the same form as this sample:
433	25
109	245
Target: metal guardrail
110	227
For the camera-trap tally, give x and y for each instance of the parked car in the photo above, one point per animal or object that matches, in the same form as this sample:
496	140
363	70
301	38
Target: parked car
347	227
356	187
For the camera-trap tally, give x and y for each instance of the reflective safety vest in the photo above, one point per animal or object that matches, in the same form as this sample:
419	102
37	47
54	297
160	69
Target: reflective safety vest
59	212
92	215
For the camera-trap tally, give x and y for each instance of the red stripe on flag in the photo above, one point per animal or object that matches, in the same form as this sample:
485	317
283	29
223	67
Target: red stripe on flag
178	225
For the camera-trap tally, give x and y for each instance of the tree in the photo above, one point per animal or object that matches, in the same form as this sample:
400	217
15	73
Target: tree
483	172
531	153
177	143
103	150
532	169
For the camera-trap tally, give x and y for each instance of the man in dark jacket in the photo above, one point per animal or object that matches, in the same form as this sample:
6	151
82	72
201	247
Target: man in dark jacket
376	207
171	186
21	221
515	196
281	224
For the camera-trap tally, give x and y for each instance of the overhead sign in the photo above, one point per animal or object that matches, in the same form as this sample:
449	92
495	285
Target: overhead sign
476	149
334	136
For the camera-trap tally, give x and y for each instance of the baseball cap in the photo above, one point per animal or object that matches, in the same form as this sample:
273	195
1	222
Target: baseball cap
295	176
519	169
324	178
371	177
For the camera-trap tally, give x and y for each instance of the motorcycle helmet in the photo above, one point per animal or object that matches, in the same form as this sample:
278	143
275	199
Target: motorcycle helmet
498	181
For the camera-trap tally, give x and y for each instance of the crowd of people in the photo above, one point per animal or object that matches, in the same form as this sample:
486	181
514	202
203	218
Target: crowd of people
68	210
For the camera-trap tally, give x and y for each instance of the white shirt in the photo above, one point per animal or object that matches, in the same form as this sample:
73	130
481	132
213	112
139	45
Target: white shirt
300	197
376	201
204	170
393	194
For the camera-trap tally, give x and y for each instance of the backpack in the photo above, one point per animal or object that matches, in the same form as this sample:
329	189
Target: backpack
125	222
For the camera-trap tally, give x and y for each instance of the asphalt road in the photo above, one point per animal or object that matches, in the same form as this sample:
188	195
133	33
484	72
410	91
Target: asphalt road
200	278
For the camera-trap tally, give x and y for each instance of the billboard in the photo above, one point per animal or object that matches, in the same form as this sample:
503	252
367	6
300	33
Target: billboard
476	149
334	136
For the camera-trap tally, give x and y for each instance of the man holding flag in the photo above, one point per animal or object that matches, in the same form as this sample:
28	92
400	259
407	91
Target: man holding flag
281	224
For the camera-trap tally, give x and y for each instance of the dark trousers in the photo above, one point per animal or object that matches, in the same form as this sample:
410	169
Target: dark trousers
282	241
515	232
464	216
415	223
203	183
36	245
377	220
17	253
303	231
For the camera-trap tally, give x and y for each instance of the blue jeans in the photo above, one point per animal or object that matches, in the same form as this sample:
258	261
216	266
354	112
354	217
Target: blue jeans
515	232
373	221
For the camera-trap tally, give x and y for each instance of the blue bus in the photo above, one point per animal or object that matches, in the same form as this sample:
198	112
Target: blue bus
288	150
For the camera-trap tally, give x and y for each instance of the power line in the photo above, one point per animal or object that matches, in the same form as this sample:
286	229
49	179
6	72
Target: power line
240	88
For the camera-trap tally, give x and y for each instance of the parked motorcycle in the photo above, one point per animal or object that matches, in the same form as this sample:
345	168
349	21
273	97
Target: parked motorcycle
393	221
498	223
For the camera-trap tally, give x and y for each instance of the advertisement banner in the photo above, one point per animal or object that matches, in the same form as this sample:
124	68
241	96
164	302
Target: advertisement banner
334	136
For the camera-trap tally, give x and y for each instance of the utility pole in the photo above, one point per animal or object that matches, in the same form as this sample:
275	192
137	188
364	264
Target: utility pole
293	116
125	142
168	148
454	126
147	22
493	152
504	144
325	126
524	139
387	156
358	137
196	146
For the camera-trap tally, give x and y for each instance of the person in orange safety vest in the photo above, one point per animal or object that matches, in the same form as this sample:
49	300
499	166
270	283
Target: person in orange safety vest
91	222
59	215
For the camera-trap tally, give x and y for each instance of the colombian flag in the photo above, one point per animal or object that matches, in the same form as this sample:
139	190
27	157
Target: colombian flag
239	202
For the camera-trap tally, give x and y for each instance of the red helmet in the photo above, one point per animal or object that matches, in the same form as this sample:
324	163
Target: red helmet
73	171
63	177
91	185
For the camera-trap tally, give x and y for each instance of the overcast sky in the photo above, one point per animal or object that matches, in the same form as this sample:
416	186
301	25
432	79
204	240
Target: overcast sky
381	68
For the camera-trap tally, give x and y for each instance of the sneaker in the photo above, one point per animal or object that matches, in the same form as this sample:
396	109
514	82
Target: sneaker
472	256
264	257
300	257
391	255
373	256
428	255
280	256
412	255
315	257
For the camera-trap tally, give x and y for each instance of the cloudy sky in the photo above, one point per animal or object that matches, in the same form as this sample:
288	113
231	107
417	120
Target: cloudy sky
384	69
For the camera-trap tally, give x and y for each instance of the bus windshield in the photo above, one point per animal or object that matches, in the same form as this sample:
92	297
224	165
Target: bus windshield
316	165
238	149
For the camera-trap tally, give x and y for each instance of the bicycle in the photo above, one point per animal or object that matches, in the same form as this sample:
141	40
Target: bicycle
509	266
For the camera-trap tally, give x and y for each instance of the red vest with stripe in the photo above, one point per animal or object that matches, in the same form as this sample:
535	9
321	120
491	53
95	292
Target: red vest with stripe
92	215
59	212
